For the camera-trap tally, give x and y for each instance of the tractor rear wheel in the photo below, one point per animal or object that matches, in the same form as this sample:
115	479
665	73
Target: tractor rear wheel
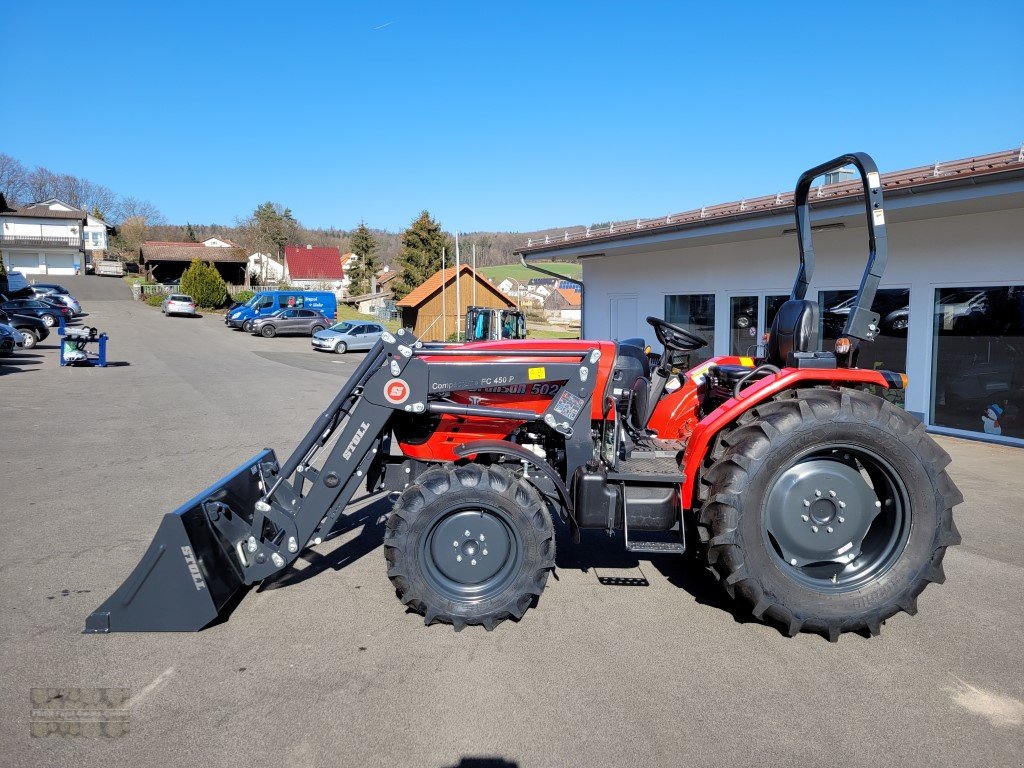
829	511
469	544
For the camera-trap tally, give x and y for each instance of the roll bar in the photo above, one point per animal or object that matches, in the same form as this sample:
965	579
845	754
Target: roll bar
861	323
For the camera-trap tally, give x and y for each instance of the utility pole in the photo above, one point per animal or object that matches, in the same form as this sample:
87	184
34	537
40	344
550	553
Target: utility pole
458	290
444	306
474	274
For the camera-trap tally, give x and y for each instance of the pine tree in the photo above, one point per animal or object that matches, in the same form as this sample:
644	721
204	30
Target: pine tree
364	244
190	235
203	283
420	256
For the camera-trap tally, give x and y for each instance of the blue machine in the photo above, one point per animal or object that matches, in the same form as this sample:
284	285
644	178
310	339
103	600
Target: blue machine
73	349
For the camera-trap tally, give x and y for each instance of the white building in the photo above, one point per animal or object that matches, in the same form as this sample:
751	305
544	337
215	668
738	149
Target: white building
265	268
50	238
951	298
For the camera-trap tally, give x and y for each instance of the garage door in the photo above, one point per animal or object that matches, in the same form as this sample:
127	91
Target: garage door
60	263
24	262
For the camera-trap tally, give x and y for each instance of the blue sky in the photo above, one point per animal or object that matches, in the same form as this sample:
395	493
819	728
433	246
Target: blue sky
496	116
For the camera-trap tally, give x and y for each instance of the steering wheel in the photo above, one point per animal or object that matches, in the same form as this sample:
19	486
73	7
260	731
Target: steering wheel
675	338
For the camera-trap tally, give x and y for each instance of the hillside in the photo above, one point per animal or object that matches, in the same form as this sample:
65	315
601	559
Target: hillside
518	272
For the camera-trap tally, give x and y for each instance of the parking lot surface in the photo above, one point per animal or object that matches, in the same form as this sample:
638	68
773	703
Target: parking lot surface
327	668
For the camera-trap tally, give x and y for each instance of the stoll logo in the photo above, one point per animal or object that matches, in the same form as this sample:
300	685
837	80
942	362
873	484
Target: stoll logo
396	391
355	440
193	568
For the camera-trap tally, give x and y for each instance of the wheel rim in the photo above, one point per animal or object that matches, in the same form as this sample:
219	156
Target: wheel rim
836	517
471	554
340	349
48	321
29	339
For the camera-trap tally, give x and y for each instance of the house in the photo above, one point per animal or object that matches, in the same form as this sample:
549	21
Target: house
49	237
951	300
436	309
265	268
167	260
313	267
564	304
509	286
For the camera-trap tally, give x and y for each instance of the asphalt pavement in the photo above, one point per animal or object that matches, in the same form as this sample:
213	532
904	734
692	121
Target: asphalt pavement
327	668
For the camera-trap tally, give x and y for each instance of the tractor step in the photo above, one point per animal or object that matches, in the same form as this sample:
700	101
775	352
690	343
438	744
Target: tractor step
656	547
648	467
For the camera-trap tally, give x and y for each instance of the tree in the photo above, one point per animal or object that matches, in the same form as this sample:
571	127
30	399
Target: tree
420	256
203	283
364	245
190	234
12	180
268	230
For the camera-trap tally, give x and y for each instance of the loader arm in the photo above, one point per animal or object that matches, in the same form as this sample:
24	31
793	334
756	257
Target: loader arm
256	521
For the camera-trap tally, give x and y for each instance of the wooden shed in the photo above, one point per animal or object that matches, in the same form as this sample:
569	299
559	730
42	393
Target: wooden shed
430	318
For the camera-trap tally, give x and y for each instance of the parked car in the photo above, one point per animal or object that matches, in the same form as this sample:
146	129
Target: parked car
46	311
45	293
301	321
32	329
10	339
266	303
347	335
178	304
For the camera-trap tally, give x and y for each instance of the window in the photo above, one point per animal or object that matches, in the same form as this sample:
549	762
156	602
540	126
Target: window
263	302
743	325
292	300
695	313
889	349
978	360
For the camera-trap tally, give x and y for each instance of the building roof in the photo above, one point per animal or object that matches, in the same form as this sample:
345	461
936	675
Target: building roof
433	284
164	250
573	297
322	263
383	278
909	180
43	210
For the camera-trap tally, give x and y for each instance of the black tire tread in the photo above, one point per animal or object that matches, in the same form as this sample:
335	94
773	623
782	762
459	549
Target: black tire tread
753	437
432	485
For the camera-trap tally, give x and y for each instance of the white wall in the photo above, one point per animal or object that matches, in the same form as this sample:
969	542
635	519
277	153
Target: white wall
970	249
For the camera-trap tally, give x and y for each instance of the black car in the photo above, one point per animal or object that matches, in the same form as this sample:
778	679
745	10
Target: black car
32	329
47	311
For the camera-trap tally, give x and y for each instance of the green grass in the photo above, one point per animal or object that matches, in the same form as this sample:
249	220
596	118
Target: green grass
532	333
523	274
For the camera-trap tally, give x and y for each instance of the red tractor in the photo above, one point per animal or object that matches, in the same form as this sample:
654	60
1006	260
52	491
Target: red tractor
821	506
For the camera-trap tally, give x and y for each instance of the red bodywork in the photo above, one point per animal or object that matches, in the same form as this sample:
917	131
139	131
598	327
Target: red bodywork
675	418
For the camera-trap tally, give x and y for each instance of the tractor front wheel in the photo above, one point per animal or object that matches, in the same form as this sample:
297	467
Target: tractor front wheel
469	545
829	511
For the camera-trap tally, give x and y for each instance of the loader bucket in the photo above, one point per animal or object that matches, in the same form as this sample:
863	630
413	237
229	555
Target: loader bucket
190	572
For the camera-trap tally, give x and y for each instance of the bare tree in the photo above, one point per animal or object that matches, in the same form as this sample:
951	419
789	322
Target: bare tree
130	208
12	179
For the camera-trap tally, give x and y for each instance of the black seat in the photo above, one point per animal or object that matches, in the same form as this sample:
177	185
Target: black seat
795	329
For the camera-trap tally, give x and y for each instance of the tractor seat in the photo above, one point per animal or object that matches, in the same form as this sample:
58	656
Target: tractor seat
794	330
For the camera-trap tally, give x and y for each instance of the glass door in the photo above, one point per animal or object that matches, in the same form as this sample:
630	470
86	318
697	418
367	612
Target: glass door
749	317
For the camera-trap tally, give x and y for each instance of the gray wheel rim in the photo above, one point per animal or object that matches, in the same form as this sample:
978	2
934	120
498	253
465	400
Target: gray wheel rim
28	339
48	321
471	553
836	517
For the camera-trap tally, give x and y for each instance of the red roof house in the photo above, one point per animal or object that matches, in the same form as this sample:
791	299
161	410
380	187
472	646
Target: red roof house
308	266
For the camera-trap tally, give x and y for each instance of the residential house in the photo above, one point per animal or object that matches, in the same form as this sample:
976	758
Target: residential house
166	260
49	237
317	268
265	268
436	309
564	304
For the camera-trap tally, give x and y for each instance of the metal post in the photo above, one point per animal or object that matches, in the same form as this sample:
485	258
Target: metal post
444	305
474	274
458	292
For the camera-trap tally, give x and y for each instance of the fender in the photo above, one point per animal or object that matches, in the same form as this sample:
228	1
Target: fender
766	388
508	448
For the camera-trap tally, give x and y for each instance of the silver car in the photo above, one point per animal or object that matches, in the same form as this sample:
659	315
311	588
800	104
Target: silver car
61	297
290	321
178	304
346	335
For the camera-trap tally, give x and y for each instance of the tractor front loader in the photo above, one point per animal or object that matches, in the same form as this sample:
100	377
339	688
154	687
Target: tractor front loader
821	506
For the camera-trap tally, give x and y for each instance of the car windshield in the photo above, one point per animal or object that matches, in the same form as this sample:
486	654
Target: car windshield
181	297
344	327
